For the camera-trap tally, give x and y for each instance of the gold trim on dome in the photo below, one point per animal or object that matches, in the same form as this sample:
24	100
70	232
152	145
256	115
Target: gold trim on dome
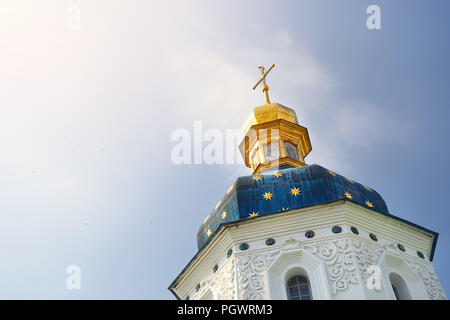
273	124
269	112
274	131
350	180
332	173
281	162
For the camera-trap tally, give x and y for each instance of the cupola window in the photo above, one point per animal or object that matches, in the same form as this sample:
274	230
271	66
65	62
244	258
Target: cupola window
291	151
271	151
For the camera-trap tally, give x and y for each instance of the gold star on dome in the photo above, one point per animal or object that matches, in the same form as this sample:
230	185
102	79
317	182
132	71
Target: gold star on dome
331	172
348	195
208	234
256	178
253	214
369	204
277	174
268	195
224	215
368	189
350	180
284	209
295	191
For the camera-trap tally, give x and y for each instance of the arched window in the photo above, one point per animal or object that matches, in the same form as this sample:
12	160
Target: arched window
298	288
399	287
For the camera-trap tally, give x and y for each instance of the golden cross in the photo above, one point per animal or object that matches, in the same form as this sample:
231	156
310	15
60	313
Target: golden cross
265	87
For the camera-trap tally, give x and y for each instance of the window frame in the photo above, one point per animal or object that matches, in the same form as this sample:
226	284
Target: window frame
296	146
302	281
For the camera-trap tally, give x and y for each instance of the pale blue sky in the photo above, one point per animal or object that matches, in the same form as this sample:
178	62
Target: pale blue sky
86	118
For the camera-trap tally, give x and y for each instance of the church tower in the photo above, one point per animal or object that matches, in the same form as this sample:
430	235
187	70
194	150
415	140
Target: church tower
299	232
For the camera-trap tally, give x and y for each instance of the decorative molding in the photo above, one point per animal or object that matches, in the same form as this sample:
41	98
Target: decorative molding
223	281
337	254
252	273
204	288
391	246
365	256
290	244
346	260
428	276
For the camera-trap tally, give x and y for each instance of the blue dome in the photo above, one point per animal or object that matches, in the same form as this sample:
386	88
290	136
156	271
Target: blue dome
287	189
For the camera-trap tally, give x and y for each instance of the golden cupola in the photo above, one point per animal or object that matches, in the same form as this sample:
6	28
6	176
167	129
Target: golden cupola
273	138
